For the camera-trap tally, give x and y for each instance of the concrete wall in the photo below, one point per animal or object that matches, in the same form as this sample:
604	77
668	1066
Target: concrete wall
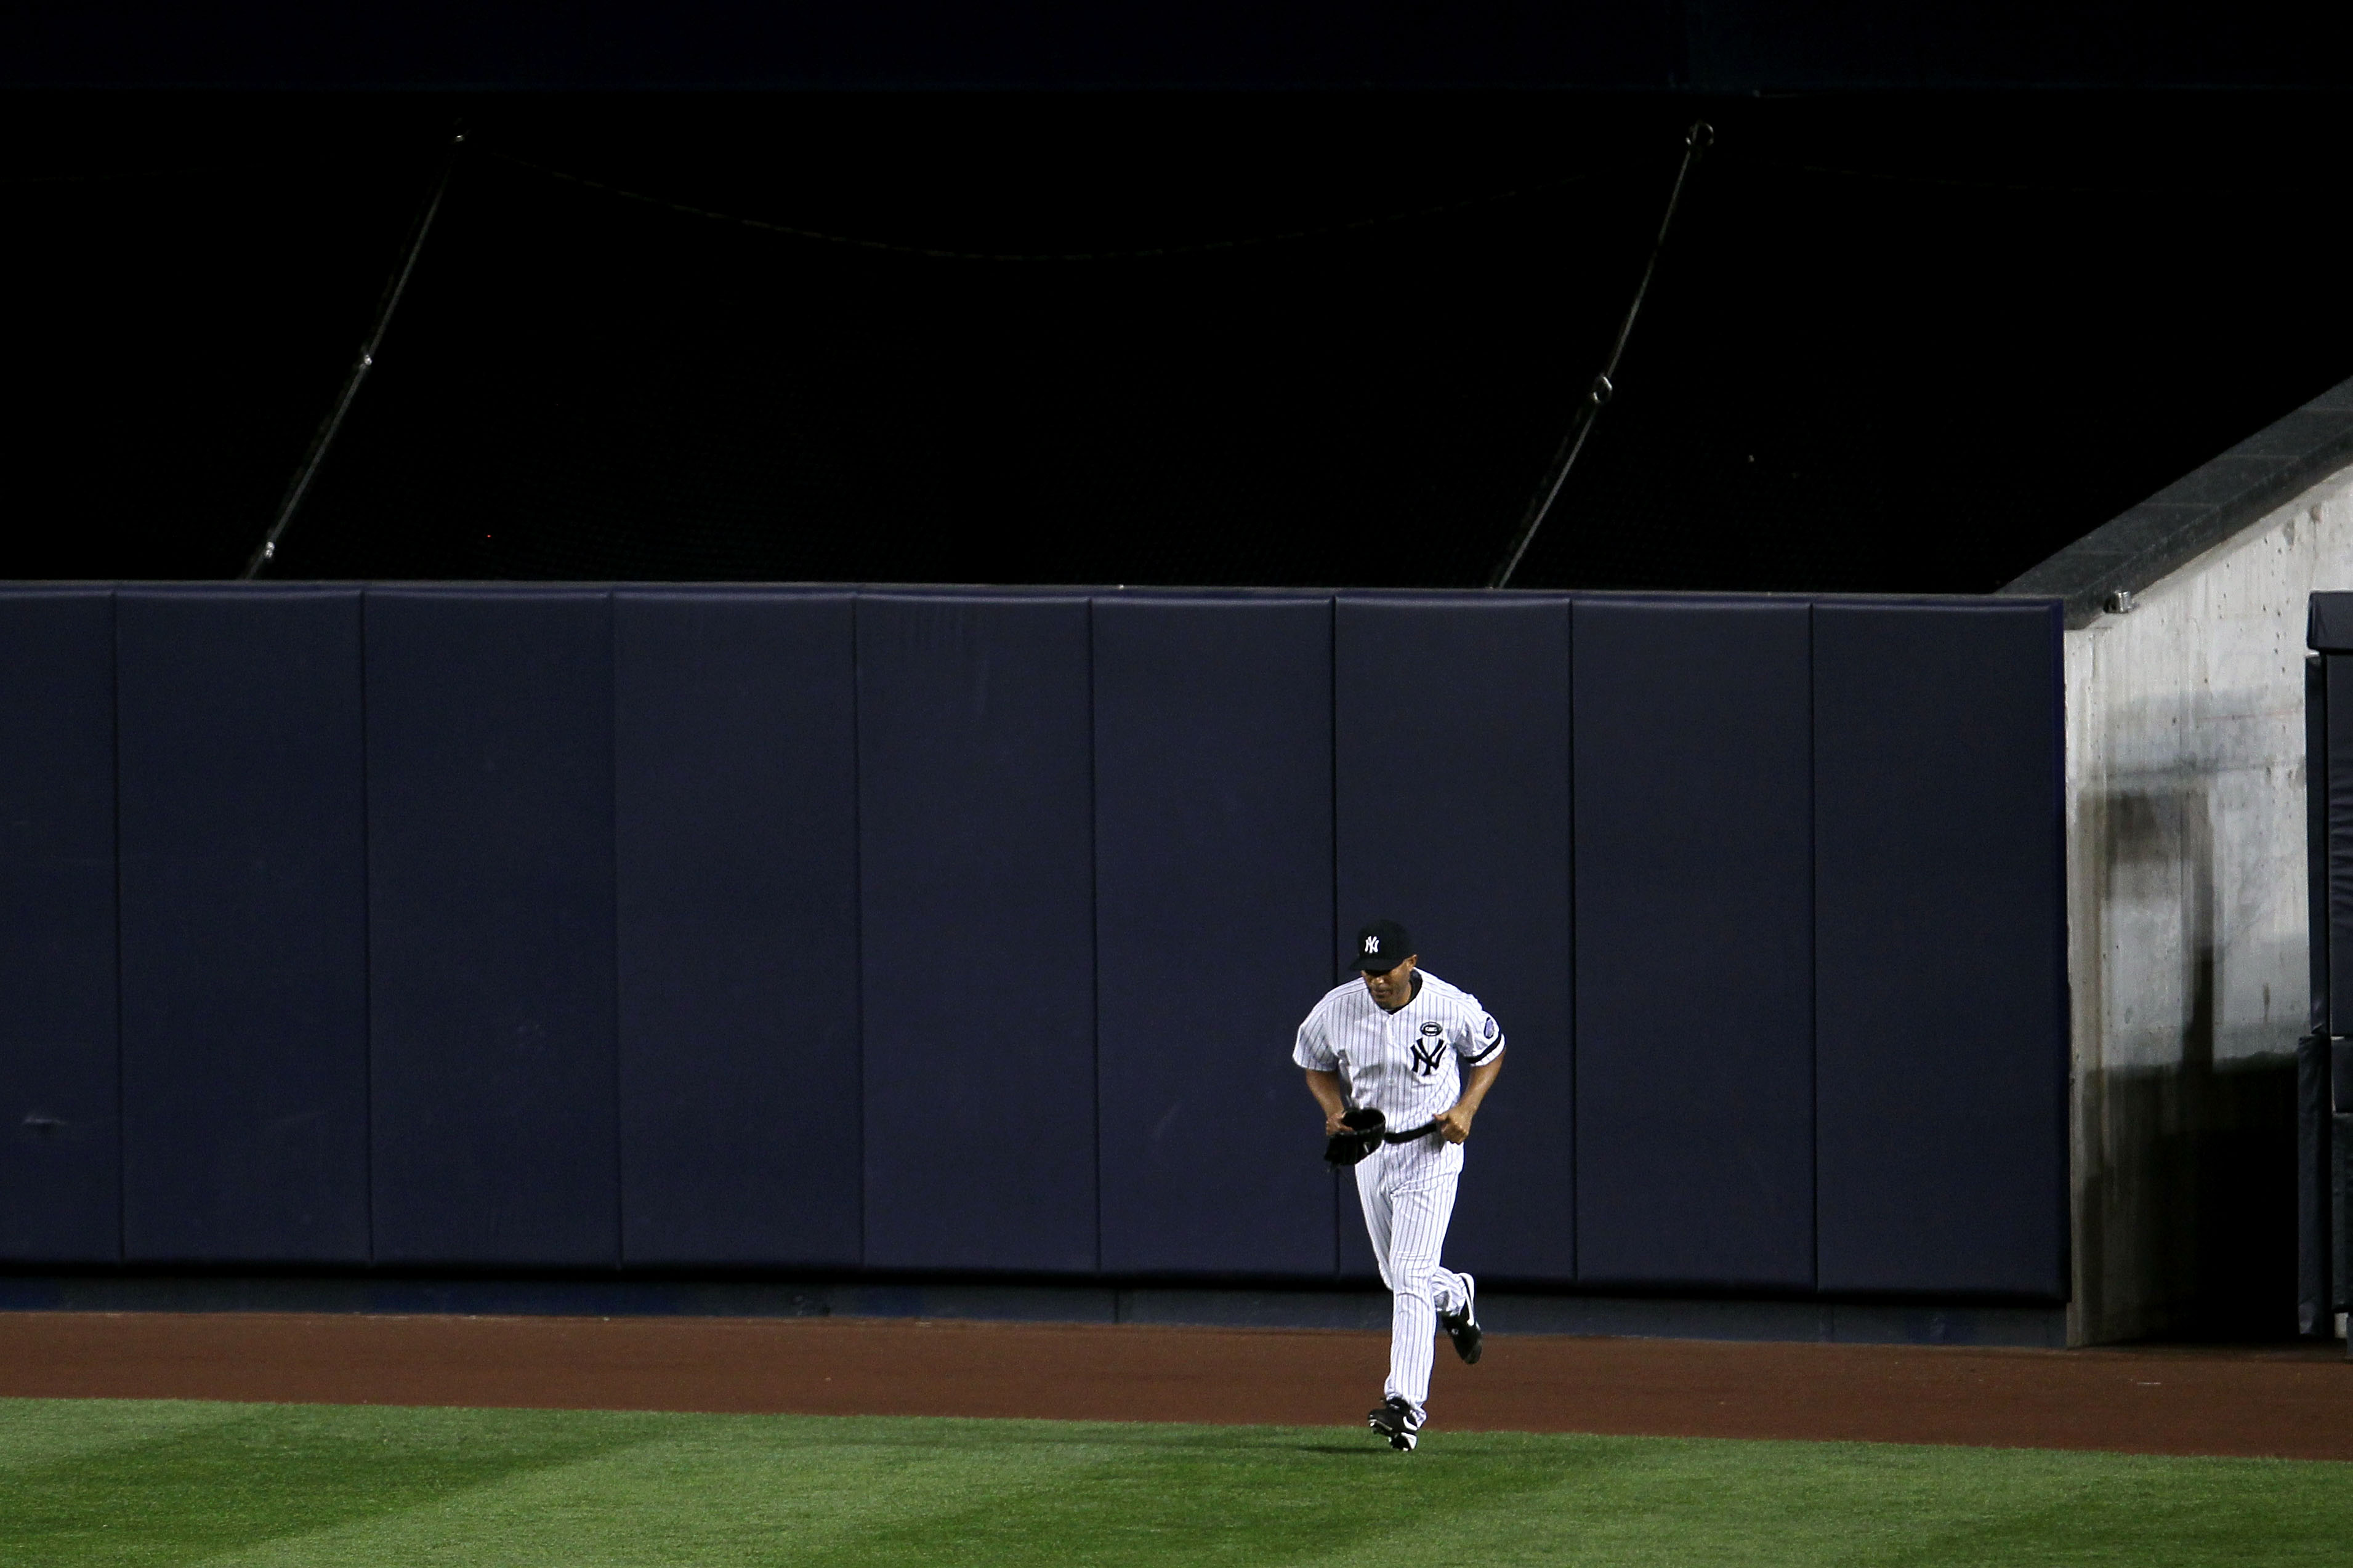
2186	888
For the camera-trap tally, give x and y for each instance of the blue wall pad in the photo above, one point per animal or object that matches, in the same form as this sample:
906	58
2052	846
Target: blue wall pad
736	845
60	1193
1941	1032
1452	717
977	932
490	935
1213	855
245	1045
1694	944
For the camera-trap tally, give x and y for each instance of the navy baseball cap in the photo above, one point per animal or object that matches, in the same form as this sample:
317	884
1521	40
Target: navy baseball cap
1381	946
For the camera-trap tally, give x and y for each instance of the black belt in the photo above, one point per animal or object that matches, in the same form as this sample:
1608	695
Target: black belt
1424	1131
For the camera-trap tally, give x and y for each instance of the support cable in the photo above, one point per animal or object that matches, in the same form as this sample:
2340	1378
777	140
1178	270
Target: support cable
1695	143
394	287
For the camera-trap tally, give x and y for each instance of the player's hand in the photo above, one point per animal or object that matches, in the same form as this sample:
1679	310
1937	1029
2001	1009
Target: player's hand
1454	1125
1333	1125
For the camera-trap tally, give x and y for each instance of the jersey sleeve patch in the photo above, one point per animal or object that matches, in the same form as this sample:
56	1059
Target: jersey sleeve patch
1486	1038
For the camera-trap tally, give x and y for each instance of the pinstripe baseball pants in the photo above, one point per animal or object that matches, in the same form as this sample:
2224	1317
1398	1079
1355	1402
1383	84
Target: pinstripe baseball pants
1409	1195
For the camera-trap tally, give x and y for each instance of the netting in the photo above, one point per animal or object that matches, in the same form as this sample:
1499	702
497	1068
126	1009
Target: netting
593	384
1152	341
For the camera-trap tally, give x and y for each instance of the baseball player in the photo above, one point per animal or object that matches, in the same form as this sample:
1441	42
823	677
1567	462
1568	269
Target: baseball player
1400	1061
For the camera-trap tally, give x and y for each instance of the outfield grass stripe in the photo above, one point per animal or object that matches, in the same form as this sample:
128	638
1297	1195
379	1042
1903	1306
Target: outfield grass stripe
183	1495
329	1487
1726	1502
748	1490
37	1432
1210	1497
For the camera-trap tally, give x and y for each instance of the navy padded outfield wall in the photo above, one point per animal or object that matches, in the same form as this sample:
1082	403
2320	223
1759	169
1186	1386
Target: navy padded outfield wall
60	1163
1940	922
2335	896
976	802
1213	872
489	720
1694	944
736	843
1452	756
244	870
907	930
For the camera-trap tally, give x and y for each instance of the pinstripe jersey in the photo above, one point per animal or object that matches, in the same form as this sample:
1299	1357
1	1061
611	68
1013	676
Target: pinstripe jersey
1402	1064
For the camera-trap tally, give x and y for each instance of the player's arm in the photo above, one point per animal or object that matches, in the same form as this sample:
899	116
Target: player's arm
1455	1122
1325	1088
1313	1055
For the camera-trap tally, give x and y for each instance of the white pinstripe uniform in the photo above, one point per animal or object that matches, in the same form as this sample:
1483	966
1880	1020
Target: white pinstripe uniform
1407	1065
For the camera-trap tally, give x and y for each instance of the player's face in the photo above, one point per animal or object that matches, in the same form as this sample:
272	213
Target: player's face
1393	989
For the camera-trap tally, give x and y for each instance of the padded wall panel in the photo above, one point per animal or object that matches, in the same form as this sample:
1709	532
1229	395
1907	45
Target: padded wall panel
1451	789
244	1050
2317	889
60	1192
1941	1035
1213	844
490	925
736	843
1694	944
978	931
2335	787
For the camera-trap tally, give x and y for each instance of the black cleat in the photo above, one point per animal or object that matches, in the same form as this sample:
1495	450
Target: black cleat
1395	1421
1462	1327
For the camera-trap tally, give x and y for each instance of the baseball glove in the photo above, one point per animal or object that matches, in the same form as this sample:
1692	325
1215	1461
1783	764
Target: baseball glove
1364	1135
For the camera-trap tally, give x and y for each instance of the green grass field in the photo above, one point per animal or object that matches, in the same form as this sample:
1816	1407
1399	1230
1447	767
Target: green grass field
173	1482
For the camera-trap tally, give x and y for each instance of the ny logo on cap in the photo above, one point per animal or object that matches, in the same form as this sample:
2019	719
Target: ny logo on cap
1372	944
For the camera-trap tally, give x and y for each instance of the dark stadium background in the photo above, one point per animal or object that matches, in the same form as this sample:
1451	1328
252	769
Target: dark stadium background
1903	341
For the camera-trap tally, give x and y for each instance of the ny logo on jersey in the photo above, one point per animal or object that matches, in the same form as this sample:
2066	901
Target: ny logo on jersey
1430	1051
